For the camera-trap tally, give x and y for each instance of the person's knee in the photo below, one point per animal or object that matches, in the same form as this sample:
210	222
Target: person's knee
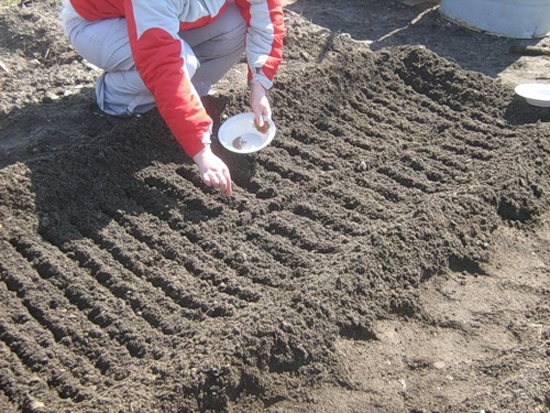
123	94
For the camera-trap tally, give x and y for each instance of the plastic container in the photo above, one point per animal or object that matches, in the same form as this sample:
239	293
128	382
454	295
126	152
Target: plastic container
520	19
536	94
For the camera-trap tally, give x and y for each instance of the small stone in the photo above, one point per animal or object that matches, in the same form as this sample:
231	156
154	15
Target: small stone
361	166
439	365
95	334
36	406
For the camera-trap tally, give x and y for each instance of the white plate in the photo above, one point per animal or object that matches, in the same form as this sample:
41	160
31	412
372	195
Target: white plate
536	94
239	134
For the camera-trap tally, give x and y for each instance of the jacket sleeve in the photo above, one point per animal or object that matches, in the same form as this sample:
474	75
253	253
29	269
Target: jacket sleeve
158	54
264	39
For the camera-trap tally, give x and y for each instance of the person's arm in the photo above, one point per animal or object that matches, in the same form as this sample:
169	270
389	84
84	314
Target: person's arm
159	54
264	45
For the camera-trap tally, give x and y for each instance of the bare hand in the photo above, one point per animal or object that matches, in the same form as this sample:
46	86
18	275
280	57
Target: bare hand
214	172
259	103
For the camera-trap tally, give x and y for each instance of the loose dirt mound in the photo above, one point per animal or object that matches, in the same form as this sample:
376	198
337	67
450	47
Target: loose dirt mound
129	286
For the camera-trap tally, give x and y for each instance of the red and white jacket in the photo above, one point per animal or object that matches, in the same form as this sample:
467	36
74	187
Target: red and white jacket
153	27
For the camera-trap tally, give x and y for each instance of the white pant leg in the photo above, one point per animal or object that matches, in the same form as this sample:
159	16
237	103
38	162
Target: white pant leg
120	90
218	46
105	44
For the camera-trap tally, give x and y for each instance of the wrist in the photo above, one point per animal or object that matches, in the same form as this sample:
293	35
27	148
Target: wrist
199	156
256	83
259	78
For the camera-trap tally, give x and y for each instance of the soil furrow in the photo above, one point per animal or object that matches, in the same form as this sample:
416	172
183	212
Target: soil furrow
360	204
189	173
203	249
432	171
451	163
161	313
405	178
447	117
181	193
465	151
192	250
398	127
98	305
26	389
352	215
117	283
280	248
36	360
399	122
298	150
47	338
74	318
312	238
204	301
151	265
180	209
338	221
294	176
437	166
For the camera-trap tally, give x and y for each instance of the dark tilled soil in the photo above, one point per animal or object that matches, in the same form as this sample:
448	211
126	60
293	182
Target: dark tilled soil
127	285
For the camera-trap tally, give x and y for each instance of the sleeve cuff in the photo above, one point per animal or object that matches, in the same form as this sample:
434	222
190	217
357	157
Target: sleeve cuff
193	148
261	79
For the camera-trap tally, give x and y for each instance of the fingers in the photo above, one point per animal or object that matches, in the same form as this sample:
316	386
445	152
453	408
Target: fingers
259	119
214	171
222	181
228	190
266	110
259	102
263	108
259	112
209	181
263	112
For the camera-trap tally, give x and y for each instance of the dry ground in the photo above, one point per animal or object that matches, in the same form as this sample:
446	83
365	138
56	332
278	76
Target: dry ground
388	252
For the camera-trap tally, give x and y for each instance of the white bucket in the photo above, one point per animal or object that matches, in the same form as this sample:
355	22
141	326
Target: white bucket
520	19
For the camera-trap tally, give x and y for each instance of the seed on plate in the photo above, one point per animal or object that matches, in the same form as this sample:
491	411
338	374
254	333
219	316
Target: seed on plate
238	143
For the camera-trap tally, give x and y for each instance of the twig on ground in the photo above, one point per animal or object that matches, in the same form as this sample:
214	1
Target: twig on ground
4	67
530	50
327	46
411	23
